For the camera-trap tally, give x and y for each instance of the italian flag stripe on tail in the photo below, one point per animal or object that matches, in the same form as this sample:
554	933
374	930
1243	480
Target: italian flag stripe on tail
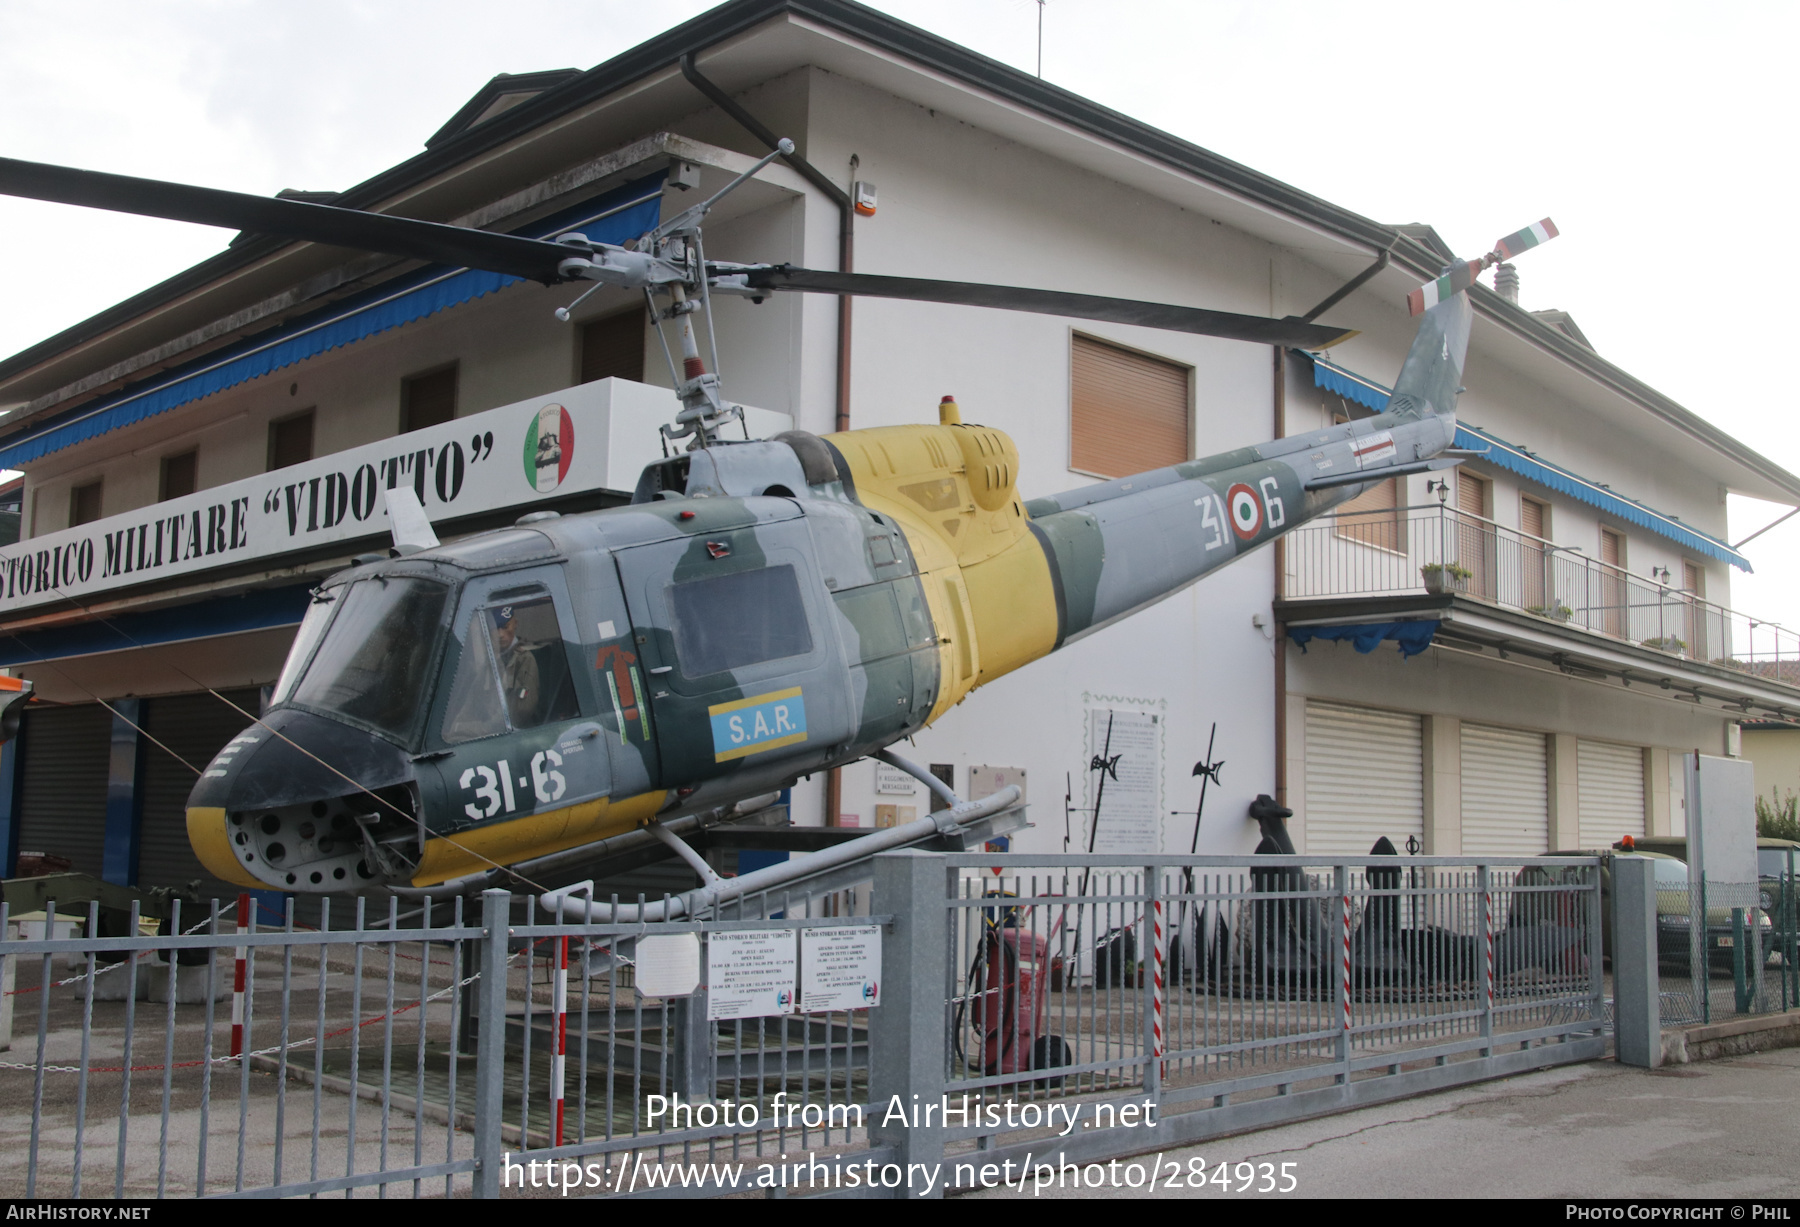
1526	239
1451	283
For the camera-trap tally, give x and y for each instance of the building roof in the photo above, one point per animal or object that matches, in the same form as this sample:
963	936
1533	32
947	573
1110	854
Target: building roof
482	127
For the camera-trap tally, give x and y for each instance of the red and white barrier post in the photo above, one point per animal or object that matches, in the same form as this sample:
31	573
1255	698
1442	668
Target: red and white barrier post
1487	910
559	1022
1160	947
1347	926
237	983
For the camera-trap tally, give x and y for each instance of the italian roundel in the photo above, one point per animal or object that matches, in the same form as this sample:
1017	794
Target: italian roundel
549	448
1246	511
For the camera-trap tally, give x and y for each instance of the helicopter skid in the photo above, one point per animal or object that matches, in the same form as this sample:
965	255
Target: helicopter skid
817	873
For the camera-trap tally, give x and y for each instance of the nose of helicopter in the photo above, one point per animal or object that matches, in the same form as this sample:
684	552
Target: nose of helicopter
293	803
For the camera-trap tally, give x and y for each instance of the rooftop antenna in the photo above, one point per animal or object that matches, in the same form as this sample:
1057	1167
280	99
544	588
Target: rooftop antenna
1040	4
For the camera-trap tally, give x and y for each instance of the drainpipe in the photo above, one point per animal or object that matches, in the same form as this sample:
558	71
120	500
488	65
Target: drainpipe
834	784
1280	423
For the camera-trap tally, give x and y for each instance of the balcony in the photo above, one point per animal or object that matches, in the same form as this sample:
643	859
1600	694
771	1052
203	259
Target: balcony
1493	587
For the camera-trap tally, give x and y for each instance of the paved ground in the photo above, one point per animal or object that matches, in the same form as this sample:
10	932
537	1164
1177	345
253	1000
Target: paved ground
1719	1129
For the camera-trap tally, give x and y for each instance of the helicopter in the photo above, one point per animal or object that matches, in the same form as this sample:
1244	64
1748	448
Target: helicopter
538	696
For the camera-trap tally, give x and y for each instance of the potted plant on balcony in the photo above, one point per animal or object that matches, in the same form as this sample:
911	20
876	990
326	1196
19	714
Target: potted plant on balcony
1667	643
1556	612
1445	577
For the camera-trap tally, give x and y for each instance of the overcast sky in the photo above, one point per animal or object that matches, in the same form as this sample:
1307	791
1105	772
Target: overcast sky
1659	136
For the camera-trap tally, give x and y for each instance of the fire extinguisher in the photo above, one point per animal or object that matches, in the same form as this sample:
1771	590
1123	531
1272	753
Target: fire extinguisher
1012	970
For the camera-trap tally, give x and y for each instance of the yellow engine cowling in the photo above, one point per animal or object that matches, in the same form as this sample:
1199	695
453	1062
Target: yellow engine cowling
951	489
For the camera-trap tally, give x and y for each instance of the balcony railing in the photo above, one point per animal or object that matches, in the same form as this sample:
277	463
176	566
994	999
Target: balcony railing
1431	549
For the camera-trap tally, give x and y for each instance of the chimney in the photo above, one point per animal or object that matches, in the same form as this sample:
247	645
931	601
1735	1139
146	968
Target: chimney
1506	283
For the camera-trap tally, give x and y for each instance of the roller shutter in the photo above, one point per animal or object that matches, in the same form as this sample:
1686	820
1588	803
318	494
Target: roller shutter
1364	779
1611	792
195	726
1505	792
1128	412
62	809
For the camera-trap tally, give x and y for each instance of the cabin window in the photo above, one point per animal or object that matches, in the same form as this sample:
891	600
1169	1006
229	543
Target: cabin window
727	622
1128	412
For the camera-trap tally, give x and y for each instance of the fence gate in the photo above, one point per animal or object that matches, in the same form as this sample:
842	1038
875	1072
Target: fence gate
443	1049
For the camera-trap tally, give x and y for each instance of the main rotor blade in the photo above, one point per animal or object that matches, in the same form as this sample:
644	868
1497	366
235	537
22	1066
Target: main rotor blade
533	259
1292	331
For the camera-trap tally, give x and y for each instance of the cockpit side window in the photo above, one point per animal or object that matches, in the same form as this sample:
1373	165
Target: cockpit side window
534	664
514	671
475	708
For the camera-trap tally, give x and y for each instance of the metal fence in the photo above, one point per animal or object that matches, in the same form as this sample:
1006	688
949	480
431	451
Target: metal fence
432	1052
1439	549
1251	989
1748	946
382	1056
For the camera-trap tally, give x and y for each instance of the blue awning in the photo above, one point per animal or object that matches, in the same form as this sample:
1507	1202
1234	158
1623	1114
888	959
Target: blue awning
262	609
622	214
1514	459
1334	378
1413	636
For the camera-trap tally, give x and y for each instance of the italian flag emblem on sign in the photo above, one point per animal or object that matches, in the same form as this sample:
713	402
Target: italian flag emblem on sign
549	447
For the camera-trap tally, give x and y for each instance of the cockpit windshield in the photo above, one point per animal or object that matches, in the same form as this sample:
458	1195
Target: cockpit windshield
372	661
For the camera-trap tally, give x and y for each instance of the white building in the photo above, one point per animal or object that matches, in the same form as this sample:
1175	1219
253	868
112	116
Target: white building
1514	731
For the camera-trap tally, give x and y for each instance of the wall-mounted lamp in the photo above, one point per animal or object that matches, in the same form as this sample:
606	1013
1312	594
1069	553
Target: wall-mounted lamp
1661	575
1440	488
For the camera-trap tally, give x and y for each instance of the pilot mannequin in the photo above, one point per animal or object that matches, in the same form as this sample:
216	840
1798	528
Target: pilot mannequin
518	670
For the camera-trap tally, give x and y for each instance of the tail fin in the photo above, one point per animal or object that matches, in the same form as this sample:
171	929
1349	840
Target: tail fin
1432	376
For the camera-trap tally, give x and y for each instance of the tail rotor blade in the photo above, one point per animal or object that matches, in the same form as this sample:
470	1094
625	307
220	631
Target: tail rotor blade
1524	240
1459	278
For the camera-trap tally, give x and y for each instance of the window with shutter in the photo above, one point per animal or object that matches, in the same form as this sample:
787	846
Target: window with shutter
84	504
291	440
428	399
1475	538
1612	582
1128	412
180	475
1534	522
1373	517
613	348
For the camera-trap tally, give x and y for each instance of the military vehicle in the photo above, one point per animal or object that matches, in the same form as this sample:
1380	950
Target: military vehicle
762	610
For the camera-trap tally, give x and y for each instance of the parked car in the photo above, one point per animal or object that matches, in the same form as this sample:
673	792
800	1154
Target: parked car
1771	861
1674	912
